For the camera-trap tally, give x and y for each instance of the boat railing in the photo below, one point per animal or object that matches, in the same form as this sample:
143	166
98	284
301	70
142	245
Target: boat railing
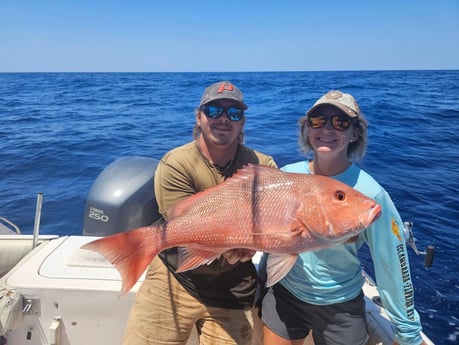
8	227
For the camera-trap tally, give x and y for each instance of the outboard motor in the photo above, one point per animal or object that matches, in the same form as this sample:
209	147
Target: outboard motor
122	197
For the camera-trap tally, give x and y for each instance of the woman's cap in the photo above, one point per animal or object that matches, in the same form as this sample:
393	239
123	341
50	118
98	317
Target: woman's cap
341	100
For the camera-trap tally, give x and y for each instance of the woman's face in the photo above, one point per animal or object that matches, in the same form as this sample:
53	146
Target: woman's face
325	139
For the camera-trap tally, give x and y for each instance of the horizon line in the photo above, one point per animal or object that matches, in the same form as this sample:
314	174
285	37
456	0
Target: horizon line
261	71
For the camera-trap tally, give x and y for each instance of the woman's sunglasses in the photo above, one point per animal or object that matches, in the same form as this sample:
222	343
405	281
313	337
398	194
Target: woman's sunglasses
338	122
214	112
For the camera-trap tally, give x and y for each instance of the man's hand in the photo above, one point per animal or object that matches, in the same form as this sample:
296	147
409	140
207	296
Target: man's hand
238	255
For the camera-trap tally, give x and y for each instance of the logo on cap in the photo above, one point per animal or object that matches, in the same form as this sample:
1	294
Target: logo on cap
334	94
224	86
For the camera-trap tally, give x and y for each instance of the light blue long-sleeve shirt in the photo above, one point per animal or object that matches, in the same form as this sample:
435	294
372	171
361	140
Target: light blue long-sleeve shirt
334	275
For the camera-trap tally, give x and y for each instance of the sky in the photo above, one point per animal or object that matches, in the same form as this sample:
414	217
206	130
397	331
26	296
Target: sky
227	36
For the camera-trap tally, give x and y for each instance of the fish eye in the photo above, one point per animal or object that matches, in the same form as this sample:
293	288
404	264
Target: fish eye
340	195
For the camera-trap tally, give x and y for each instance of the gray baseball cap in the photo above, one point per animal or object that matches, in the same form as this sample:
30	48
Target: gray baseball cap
341	100
222	90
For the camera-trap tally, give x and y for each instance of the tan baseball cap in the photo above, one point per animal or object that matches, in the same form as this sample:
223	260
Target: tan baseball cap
341	100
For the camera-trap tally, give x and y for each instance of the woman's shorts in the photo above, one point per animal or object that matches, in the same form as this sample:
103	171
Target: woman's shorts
291	318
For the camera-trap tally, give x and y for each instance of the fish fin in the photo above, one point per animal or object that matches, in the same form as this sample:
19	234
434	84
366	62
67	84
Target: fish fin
129	252
247	172
190	259
278	265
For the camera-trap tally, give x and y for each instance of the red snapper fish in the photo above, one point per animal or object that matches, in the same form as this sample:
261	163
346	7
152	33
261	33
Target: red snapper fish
258	208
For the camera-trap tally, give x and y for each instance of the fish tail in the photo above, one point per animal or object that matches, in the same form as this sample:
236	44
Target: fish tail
130	252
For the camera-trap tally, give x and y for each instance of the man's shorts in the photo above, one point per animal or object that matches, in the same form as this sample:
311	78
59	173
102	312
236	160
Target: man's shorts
291	318
163	312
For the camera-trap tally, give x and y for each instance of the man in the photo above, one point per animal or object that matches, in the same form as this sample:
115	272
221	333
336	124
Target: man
218	298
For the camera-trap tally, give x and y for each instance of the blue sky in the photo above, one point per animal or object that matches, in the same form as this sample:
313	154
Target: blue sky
231	35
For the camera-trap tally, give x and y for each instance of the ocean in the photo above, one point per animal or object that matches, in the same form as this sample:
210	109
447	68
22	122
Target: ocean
60	130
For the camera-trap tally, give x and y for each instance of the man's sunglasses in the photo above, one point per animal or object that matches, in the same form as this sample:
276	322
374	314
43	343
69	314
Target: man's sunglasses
338	122
214	112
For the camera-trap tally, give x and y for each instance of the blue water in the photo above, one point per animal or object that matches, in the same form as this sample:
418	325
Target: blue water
59	130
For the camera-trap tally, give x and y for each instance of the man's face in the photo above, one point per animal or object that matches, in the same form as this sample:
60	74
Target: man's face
220	131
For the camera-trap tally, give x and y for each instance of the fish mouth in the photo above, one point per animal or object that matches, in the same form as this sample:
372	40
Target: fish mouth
374	213
363	222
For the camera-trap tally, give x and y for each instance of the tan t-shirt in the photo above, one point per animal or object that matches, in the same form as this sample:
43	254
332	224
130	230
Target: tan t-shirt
182	172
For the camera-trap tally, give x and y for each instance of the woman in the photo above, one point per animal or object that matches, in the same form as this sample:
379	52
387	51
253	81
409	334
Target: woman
323	291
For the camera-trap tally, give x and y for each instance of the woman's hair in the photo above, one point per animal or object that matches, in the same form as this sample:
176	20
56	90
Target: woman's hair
355	150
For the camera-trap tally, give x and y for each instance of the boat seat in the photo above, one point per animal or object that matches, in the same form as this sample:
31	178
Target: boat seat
14	247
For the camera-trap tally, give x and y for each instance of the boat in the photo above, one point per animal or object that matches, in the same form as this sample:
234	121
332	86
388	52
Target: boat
54	293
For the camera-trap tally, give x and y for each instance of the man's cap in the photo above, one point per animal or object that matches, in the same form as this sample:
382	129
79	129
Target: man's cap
222	90
341	100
